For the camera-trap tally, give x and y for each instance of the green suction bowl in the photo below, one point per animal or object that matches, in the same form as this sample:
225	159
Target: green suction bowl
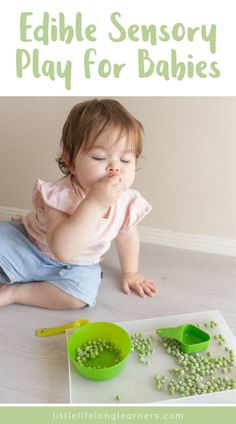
109	332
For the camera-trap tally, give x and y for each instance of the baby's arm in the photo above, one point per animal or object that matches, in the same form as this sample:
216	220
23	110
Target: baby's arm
127	244
68	236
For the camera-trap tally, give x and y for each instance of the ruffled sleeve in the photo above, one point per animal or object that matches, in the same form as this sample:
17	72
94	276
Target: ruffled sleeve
137	209
58	195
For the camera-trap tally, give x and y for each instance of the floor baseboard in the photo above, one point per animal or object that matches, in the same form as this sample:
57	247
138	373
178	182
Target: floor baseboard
201	243
7	212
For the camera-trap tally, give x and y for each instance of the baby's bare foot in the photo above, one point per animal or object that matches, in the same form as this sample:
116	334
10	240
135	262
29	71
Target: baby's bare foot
6	294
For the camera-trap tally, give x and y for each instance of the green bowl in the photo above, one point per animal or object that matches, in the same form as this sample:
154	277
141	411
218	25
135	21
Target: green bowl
109	332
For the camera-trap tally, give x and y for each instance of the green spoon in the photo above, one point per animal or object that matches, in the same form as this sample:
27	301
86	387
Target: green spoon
192	338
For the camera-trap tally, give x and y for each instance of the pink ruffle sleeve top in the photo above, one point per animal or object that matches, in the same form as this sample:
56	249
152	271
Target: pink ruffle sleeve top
65	195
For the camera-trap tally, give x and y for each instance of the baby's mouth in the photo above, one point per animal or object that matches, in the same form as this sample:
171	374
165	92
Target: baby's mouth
112	173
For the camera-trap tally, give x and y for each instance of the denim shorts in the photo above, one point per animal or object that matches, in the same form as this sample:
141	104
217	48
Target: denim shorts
22	262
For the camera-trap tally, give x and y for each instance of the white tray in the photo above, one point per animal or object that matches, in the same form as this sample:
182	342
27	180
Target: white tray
136	382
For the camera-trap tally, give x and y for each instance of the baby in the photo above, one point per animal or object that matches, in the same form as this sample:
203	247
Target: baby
51	257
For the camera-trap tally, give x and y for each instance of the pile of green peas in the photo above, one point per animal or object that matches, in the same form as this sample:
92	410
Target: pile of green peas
143	347
190	385
196	373
93	348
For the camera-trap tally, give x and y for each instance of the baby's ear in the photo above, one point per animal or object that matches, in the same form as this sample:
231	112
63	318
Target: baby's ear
65	157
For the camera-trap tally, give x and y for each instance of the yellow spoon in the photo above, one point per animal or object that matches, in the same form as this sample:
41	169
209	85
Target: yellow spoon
45	332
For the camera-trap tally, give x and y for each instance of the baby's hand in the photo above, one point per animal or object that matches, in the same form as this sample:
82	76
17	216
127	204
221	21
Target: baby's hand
139	283
106	191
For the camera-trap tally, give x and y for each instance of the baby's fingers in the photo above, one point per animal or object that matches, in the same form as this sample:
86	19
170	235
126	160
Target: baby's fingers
126	288
113	179
149	287
150	283
139	289
152	286
149	291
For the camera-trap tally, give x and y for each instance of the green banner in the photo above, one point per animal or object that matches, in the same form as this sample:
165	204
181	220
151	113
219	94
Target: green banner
117	414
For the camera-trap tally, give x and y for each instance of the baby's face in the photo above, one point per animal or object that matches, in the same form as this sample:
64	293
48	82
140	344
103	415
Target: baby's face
107	157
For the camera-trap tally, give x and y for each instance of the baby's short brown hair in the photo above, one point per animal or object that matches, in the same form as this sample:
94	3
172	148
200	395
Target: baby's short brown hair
87	120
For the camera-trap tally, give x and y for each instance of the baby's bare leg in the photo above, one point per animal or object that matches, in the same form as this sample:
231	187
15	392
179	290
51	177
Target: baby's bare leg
42	295
5	295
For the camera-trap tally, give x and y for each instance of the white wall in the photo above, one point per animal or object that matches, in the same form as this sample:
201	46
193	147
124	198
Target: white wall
188	174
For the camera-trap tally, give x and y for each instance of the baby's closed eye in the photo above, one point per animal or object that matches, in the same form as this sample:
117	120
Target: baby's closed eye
97	158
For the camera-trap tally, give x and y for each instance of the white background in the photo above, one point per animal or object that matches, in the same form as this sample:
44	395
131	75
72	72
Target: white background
189	12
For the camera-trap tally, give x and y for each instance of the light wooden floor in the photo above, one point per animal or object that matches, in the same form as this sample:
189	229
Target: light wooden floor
34	370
